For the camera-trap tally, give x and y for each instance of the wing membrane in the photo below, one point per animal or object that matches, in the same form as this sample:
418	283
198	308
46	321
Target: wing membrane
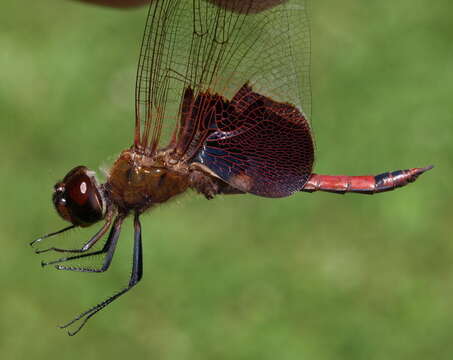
118	3
253	143
217	46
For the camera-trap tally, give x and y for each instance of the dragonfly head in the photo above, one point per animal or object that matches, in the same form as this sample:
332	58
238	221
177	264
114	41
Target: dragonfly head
78	197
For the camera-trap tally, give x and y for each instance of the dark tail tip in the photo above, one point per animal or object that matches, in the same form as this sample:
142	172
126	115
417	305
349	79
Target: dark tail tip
426	168
418	171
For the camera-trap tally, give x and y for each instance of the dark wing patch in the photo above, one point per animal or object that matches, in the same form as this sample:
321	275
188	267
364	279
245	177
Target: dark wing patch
260	146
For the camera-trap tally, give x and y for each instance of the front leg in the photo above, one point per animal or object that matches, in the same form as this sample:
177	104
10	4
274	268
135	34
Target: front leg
108	249
87	246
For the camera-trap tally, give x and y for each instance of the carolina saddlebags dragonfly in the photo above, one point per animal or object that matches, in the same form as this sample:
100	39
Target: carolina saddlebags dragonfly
222	106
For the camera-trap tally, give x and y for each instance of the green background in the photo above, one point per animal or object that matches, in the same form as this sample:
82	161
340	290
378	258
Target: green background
312	276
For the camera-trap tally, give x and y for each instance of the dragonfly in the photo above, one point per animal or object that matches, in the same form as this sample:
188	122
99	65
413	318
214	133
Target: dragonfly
222	107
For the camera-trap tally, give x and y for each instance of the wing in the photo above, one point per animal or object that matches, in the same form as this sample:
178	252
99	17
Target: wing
254	143
215	47
118	3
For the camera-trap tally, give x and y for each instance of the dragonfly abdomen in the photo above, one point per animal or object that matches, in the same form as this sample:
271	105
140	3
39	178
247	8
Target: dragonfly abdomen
367	184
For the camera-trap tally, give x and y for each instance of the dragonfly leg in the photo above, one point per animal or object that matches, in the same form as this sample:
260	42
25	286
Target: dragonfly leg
363	184
136	275
87	246
52	234
108	249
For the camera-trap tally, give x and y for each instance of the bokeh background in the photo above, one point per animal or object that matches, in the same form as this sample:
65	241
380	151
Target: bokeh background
312	276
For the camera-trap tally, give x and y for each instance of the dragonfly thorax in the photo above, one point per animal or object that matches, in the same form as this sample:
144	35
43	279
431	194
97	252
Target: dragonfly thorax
137	181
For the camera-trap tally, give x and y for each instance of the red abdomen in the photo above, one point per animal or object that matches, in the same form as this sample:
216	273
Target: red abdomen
367	184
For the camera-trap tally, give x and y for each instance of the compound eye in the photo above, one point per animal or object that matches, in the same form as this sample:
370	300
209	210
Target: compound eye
78	199
80	189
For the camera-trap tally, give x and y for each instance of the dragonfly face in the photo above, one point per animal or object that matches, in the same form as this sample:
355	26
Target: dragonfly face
78	198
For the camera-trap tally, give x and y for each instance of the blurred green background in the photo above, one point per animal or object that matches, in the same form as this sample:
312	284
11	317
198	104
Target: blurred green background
318	276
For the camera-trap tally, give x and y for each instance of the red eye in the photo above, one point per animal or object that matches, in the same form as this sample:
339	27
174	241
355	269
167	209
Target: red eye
79	189
78	199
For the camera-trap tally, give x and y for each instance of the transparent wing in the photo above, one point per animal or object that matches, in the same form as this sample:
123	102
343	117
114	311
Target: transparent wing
217	46
118	3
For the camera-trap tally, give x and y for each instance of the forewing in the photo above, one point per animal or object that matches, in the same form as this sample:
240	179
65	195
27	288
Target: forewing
216	46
